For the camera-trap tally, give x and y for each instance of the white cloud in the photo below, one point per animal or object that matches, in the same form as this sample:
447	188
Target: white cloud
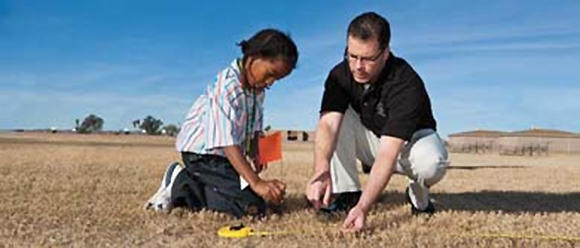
294	108
499	47
493	107
461	31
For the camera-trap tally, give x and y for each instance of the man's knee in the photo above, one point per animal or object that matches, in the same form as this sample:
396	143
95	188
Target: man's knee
431	169
429	159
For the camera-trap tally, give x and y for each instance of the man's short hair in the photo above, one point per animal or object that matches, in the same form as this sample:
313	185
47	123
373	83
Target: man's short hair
368	26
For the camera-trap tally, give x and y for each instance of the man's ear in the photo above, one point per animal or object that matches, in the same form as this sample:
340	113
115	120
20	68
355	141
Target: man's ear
388	51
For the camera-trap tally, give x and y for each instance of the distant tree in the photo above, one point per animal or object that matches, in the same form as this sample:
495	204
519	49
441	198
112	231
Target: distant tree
136	123
151	125
267	128
171	130
91	124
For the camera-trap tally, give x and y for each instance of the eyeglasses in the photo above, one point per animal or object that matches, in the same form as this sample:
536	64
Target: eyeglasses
364	60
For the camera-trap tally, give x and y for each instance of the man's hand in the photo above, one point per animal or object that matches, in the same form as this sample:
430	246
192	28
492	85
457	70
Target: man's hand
270	190
355	220
319	187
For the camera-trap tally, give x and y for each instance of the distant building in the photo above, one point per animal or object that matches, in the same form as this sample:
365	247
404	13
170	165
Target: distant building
479	141
533	141
539	140
298	135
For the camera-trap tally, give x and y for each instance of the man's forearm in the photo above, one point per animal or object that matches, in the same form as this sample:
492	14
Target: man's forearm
380	175
382	170
323	147
240	164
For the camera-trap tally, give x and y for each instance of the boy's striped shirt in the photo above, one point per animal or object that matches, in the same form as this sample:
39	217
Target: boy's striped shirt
220	117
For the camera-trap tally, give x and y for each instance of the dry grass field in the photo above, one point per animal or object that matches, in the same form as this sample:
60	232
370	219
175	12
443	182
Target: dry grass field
87	190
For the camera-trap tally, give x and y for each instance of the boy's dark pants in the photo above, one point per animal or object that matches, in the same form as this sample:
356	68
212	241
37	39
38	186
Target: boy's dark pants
210	181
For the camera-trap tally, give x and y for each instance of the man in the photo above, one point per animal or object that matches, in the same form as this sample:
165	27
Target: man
374	108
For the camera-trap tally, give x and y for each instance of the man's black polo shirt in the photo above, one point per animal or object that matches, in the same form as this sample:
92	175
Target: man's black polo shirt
396	104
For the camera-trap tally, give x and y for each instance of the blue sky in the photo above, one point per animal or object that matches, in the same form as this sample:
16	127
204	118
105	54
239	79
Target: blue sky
505	65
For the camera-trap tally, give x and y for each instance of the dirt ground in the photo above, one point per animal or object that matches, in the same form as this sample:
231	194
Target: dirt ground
88	190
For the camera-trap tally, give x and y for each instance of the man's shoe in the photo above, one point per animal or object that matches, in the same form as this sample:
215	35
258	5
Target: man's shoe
343	202
161	200
414	211
366	168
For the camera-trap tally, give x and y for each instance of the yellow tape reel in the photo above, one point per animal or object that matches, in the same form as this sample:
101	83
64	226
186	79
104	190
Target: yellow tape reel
241	231
238	231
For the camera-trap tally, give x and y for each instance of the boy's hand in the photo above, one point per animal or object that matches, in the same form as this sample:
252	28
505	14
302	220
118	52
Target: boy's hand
270	190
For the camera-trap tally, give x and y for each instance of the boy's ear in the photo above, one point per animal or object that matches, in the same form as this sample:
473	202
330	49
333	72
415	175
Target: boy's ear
249	61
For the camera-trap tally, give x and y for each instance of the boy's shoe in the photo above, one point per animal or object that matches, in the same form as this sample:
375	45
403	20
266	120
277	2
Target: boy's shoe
343	202
414	211
161	200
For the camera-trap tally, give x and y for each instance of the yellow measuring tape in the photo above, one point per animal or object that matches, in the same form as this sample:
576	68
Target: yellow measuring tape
241	231
520	236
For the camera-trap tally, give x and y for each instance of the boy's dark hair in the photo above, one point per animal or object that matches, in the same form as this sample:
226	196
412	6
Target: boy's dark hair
271	44
368	26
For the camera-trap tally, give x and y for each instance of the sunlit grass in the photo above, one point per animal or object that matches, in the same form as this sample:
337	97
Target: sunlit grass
88	190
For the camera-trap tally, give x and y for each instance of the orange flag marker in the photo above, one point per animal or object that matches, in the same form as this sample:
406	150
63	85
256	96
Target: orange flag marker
270	147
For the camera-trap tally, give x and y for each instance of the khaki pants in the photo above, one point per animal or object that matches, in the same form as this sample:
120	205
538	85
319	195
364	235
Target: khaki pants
423	159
